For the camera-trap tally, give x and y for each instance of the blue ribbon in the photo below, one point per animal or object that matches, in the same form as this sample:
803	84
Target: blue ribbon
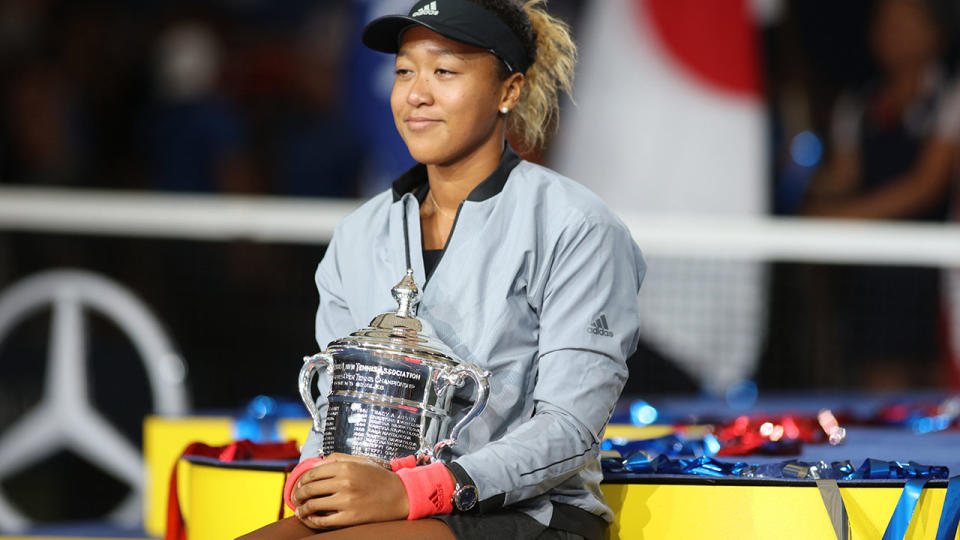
950	515
644	462
900	521
639	462
872	469
669	445
837	470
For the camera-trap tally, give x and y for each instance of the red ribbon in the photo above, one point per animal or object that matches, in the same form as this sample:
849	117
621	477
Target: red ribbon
768	435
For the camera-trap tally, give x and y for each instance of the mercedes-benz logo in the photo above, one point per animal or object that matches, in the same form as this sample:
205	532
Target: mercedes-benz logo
65	417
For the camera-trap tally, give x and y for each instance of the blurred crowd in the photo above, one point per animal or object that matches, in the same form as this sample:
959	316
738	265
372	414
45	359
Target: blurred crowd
868	127
259	96
248	96
866	109
192	96
276	97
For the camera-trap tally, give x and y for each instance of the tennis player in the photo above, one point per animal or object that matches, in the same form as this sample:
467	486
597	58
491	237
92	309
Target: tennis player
524	273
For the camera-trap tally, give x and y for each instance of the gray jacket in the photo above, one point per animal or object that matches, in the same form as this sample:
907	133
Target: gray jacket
538	284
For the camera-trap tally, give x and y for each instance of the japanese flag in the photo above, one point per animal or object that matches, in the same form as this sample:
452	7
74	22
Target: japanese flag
670	119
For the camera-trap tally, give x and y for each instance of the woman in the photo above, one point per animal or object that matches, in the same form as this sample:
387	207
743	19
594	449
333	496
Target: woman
517	265
894	151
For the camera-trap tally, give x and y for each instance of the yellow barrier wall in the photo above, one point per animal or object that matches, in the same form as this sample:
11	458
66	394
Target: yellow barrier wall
226	503
164	439
759	512
643	511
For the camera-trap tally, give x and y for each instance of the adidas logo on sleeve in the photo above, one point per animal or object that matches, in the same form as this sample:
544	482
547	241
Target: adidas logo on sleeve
599	327
429	9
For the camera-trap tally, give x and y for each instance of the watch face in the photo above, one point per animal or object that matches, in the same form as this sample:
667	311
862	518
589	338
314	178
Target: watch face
465	498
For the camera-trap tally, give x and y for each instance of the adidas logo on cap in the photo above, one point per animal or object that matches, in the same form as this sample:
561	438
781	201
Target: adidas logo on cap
599	327
429	9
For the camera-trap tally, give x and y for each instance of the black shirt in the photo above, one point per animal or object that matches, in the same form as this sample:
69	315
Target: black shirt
430	259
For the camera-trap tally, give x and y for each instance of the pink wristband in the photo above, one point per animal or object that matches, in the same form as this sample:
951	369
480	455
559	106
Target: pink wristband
403	462
429	490
295	474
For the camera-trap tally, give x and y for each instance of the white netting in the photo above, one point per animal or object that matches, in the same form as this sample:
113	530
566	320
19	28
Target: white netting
708	302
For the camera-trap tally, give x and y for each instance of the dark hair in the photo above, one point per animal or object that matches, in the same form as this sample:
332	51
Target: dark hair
514	16
553	55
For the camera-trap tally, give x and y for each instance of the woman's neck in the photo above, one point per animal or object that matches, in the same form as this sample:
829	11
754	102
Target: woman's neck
452	183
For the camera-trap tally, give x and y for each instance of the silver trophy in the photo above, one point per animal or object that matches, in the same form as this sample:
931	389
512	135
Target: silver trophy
385	391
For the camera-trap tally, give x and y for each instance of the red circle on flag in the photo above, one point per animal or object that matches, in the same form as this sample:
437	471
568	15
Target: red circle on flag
714	40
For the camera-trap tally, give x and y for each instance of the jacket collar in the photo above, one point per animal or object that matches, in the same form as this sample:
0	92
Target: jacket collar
415	179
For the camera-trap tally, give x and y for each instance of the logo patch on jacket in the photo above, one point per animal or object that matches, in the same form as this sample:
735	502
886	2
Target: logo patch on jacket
599	327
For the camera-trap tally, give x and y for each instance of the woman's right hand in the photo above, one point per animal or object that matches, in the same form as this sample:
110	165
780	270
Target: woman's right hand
345	490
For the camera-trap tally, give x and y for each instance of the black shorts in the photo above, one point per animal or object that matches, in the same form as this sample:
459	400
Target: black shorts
513	524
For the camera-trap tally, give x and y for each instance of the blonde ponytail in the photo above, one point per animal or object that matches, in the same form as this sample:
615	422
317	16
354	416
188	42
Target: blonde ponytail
551	73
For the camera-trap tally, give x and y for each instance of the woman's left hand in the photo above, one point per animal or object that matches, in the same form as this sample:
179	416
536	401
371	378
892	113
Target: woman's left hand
348	490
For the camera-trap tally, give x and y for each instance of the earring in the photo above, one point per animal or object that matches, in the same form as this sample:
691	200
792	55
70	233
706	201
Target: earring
504	110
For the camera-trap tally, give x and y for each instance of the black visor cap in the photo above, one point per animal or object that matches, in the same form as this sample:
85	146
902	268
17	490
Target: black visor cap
459	20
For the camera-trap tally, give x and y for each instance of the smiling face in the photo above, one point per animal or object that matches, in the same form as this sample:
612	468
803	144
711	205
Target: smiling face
446	97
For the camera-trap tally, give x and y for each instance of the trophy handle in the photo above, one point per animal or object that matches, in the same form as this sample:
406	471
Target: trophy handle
455	378
321	363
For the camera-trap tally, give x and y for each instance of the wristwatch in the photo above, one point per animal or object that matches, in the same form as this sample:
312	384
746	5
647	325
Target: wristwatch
465	496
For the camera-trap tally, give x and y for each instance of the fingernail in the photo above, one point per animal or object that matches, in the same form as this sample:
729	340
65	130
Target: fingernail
297	513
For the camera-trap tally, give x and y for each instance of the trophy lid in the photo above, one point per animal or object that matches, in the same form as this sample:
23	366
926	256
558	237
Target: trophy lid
400	331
